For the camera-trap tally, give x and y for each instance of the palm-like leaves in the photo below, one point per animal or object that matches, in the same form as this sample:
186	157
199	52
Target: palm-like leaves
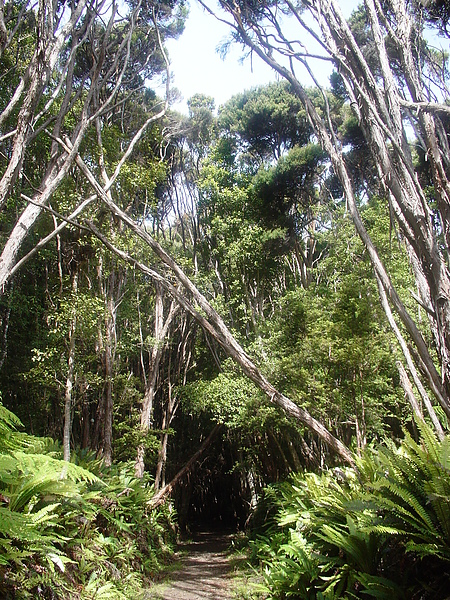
414	492
368	531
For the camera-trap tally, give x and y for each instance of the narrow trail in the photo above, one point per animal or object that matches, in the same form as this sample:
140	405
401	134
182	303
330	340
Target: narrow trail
203	573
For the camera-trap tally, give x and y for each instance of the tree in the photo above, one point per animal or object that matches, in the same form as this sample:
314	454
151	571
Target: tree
161	331
209	319
83	64
385	96
266	122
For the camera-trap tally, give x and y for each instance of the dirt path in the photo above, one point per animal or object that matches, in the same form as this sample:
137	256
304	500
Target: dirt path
203	572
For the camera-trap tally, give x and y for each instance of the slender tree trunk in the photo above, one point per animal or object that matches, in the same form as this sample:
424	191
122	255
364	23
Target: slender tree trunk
86	425
168	415
110	334
168	412
404	380
110	289
5	327
70	373
161	330
408	390
183	358
160	475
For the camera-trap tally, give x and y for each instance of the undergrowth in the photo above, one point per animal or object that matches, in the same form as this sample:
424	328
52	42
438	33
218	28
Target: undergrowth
74	530
381	530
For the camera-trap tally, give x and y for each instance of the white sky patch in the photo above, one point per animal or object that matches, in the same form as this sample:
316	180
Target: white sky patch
197	67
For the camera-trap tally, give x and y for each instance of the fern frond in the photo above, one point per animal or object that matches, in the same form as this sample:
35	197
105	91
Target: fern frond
31	476
9	439
432	446
428	549
412	510
380	587
16	526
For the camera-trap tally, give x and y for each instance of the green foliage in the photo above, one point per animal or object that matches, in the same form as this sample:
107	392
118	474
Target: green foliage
329	349
381	531
265	121
73	530
236	239
286	191
8	425
229	398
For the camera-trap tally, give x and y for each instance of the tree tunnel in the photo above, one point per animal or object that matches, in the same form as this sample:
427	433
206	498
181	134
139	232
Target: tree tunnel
215	495
216	474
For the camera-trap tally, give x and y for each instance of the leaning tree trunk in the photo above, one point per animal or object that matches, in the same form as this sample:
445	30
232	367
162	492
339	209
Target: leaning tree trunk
162	494
214	325
376	99
111	288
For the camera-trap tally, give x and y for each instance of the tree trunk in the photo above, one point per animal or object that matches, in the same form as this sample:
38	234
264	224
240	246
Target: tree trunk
110	335
404	380
161	330
376	100
168	414
160	474
110	290
183	359
217	328
70	372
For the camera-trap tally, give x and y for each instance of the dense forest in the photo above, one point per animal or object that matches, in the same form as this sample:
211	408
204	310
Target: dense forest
238	317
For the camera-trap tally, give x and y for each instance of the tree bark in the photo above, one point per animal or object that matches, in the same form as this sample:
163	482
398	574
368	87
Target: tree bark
96	93
378	110
110	337
404	380
110	287
70	373
161	331
217	328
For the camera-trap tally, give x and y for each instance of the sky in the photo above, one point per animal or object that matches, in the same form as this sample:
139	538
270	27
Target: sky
197	67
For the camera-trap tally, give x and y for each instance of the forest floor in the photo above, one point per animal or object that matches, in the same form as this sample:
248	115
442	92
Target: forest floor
203	572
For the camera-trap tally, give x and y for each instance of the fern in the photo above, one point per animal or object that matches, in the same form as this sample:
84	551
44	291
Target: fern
9	438
62	527
365	533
